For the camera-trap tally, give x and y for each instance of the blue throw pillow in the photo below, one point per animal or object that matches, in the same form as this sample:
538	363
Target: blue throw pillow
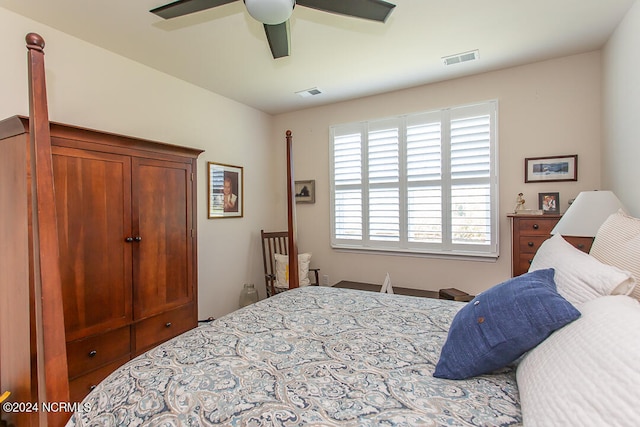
503	323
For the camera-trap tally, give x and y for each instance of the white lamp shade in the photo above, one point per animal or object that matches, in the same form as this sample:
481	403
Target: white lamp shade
270	12
587	213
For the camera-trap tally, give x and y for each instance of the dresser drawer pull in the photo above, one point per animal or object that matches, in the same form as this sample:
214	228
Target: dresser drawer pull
536	226
168	324
92	353
530	244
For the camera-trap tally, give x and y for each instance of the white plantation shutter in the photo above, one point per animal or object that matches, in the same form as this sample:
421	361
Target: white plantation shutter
384	178
347	178
470	179
424	178
421	183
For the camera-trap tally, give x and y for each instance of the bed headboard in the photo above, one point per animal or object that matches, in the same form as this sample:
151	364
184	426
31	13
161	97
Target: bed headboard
33	362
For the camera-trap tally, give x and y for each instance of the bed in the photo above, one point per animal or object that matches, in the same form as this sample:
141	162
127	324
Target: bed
340	357
309	356
326	356
558	345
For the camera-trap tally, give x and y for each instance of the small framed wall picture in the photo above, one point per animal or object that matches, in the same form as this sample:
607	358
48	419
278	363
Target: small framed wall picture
551	169
305	191
225	191
549	203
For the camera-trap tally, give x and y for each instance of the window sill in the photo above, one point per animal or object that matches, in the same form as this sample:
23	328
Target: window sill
453	255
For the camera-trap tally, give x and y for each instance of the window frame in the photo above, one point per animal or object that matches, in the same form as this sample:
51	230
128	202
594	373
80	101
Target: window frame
445	249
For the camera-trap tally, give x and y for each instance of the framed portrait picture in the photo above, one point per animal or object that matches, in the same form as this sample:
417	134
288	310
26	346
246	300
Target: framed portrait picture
549	169
305	191
549	203
225	191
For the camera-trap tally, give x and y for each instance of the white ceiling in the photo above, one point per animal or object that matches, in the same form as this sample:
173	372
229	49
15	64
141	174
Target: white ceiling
225	51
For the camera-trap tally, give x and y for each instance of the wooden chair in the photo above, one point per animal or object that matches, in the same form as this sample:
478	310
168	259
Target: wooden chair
277	242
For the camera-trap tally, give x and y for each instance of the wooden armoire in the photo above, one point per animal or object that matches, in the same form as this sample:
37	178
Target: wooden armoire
126	215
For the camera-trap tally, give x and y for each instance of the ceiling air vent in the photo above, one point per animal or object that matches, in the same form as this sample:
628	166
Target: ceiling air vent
460	57
309	92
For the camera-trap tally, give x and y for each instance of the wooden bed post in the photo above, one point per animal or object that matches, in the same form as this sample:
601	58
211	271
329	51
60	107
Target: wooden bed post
294	276
51	368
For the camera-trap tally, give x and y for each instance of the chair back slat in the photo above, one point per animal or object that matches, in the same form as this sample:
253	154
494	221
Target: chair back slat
273	242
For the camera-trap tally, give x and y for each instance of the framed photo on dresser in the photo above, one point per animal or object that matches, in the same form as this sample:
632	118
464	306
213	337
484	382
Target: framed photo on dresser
549	203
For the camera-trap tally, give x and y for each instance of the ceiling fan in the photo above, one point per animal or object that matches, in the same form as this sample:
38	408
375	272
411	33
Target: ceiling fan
274	14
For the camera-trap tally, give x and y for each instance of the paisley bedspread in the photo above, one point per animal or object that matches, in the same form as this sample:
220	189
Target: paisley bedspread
313	356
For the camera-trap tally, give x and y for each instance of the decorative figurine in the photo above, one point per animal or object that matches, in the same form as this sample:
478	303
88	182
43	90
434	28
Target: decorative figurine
519	203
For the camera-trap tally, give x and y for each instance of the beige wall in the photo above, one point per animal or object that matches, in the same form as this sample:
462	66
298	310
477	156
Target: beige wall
91	87
621	111
547	108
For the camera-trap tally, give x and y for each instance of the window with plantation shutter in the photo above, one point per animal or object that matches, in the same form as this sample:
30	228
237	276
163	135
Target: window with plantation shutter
419	183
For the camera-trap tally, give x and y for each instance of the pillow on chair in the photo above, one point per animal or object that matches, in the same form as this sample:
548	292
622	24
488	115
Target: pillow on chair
282	270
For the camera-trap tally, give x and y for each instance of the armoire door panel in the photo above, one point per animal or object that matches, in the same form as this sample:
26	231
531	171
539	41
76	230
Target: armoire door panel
93	201
162	220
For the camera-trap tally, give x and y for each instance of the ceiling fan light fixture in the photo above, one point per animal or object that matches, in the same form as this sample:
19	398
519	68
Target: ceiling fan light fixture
271	12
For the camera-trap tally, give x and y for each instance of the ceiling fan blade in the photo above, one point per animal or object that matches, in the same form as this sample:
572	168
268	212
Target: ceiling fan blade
185	7
278	37
375	10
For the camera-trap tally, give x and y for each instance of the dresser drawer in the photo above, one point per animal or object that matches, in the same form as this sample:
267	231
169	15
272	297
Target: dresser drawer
81	386
530	244
91	353
154	330
536	226
523	264
582	243
528	233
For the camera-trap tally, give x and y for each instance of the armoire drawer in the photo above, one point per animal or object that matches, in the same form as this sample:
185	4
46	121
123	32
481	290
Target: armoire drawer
81	386
156	329
88	354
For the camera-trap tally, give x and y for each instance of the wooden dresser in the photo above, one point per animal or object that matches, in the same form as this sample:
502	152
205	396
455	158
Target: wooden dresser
127	237
528	232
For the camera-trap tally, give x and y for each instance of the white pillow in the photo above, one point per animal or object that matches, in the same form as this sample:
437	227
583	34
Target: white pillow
282	270
618	243
586	373
579	276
